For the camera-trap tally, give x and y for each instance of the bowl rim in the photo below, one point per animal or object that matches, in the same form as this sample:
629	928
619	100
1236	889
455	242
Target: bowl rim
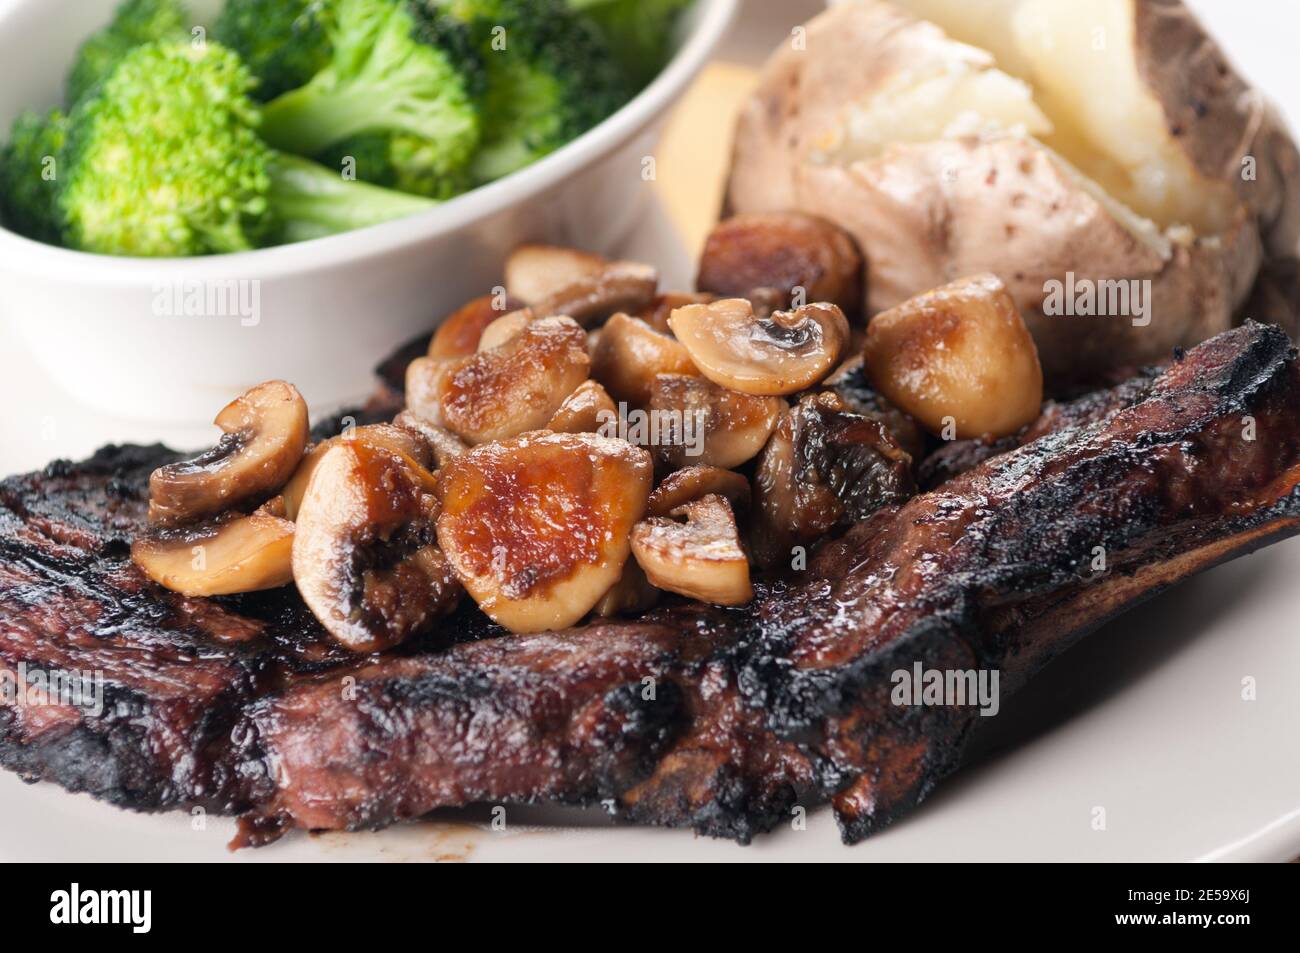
712	20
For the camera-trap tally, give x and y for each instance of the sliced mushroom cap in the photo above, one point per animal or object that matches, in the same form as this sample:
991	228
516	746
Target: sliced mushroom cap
588	409
444	445
851	385
235	554
364	553
511	389
629	355
773	256
460	331
398	440
632	594
586	287
537	527
780	354
657	312
824	469
264	435
700	558
693	421
619	286
534	272
684	486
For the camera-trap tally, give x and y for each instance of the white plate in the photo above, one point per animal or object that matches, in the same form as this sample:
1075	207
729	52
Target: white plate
1144	719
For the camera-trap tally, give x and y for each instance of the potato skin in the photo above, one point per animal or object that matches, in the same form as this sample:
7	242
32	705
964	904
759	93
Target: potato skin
1033	225
1218	119
852	49
927	213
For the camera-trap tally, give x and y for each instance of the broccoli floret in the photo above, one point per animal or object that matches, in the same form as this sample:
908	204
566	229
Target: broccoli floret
550	77
398	161
135	23
287	42
639	31
164	159
29	167
399	67
284	42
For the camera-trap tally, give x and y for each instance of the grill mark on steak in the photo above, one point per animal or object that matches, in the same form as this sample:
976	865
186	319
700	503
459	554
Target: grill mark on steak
717	719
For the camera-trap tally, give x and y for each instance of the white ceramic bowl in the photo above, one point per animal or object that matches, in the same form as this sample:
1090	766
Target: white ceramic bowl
122	334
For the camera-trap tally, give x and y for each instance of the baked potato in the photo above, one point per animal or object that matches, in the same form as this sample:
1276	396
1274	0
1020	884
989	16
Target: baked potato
1101	157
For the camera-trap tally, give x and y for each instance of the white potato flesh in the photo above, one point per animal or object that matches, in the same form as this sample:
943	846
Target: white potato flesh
1078	57
969	97
1108	122
985	25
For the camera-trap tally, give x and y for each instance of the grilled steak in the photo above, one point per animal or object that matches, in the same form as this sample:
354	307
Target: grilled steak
717	719
958	456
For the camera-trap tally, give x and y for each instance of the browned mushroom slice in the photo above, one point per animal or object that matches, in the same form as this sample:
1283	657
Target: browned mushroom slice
497	394
264	435
773	256
693	421
537	527
534	272
632	594
399	440
364	553
692	483
629	355
657	312
823	469
586	287
444	445
850	384
588	409
619	286
460	331
234	554
505	327
781	354
959	359
700	558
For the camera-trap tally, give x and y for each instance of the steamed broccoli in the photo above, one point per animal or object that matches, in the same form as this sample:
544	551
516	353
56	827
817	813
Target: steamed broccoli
639	31
29	175
310	201
550	78
135	23
284	42
400	161
399	67
164	159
